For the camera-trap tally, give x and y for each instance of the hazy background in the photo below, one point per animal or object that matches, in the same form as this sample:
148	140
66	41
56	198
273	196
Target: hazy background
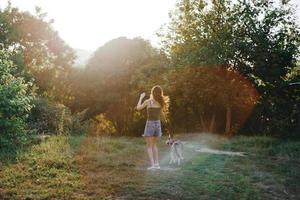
87	24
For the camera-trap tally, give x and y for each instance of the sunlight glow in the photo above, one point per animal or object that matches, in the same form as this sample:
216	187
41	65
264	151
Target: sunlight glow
89	24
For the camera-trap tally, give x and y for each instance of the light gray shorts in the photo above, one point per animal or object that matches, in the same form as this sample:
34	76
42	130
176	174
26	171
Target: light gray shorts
152	128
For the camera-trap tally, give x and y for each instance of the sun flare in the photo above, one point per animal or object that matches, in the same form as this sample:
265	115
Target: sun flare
89	24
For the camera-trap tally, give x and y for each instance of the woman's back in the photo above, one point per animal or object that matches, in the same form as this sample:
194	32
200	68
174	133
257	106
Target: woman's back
153	110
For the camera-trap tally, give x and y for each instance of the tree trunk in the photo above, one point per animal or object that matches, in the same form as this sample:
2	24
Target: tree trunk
203	124
228	120
212	123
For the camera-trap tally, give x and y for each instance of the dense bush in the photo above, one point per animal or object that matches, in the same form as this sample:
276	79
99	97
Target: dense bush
100	125
48	117
79	125
15	105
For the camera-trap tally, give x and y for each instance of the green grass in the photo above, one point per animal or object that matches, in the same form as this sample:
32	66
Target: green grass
79	167
44	171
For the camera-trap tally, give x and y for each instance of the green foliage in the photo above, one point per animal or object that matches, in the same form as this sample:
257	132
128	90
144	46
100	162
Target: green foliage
200	32
102	126
79	126
39	52
50	117
259	39
200	97
15	105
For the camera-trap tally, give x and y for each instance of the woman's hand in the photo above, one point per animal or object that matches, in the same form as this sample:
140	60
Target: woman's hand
142	95
140	106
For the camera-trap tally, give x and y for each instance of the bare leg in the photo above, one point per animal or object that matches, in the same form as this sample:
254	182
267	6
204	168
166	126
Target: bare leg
155	150
149	149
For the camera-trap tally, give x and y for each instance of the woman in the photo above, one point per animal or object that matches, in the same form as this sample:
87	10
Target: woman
156	105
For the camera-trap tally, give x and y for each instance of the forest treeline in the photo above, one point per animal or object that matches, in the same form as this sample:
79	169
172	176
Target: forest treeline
228	68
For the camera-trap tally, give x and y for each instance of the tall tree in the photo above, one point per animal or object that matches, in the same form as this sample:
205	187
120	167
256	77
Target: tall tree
259	39
39	52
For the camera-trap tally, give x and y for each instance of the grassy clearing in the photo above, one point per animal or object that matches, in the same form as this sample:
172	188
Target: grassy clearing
45	171
114	168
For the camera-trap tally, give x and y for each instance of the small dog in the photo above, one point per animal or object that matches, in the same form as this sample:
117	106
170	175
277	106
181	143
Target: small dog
176	152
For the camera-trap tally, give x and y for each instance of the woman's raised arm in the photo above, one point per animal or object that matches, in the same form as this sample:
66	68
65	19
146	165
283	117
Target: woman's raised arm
141	105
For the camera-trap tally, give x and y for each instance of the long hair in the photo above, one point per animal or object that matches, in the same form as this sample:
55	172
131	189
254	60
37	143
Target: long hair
158	95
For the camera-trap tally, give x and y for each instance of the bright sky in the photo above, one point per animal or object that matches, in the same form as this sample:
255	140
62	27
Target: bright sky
88	24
